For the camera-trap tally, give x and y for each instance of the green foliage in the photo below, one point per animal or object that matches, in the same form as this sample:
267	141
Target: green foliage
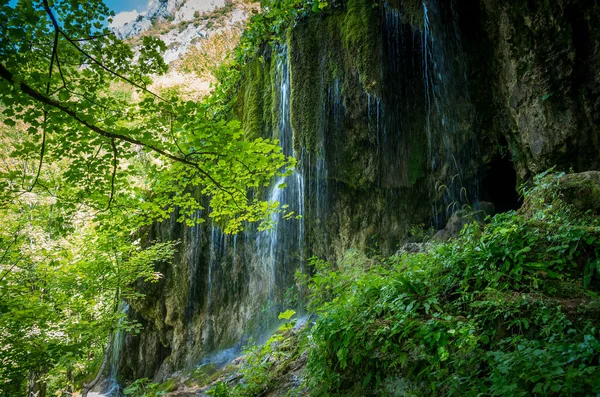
220	390
143	387
149	154
263	365
269	27
286	315
88	155
477	316
61	284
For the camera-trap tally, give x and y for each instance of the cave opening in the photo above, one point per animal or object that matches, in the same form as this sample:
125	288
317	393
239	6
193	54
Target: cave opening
499	185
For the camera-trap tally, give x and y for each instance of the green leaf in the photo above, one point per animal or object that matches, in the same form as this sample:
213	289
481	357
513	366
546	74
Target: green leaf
286	315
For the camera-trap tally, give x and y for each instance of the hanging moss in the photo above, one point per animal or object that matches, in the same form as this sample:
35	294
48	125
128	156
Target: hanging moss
306	87
274	98
253	97
267	97
339	48
253	103
360	37
411	11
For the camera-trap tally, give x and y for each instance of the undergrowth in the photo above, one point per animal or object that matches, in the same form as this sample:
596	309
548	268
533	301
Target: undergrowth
508	308
264	365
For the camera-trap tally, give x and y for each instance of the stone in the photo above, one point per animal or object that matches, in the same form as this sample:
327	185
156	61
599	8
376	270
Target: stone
582	191
459	219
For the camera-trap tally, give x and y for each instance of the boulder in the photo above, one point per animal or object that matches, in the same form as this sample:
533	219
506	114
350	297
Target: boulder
581	190
459	219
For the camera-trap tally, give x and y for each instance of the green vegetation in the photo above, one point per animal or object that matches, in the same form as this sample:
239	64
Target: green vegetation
359	33
510	307
269	27
143	387
264	365
507	308
89	157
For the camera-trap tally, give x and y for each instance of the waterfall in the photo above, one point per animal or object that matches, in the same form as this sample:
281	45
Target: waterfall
267	258
112	388
193	261
411	119
451	141
280	248
217	254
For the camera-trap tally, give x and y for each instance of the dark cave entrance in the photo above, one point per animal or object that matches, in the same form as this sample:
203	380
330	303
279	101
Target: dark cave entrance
499	185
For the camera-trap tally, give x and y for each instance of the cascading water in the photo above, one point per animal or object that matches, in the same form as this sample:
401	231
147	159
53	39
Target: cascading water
277	252
425	102
193	261
397	115
112	387
280	248
452	145
368	159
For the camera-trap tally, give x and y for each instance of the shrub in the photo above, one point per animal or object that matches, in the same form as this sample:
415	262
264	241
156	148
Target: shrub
479	315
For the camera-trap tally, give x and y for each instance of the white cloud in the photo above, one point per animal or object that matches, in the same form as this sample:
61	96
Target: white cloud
123	18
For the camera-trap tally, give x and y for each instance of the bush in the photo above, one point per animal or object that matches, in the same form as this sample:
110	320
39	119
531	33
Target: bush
479	315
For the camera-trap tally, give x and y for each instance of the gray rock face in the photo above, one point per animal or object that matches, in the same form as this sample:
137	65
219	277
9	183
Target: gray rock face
543	68
162	10
185	28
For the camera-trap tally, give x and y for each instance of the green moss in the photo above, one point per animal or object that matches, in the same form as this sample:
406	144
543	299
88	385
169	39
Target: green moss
305	81
272	111
168	386
253	98
411	11
204	375
268	89
417	162
360	37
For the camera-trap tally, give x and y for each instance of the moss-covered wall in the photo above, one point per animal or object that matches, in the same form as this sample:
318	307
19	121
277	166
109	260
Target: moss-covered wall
535	77
385	107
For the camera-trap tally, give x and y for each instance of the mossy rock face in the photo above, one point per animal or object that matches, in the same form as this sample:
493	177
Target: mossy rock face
543	64
412	11
360	131
582	191
255	97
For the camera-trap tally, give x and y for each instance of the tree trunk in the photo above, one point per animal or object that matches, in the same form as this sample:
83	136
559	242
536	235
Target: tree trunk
36	385
88	386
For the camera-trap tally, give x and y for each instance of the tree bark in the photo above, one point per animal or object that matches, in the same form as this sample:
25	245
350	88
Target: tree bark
36	386
88	386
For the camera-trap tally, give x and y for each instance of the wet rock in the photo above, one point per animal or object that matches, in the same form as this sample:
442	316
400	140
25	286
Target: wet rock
582	191
459	219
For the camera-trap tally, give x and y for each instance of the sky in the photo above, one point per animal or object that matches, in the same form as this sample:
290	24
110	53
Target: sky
126	5
116	5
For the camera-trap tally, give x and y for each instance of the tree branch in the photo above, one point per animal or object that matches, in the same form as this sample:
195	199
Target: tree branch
43	148
39	97
94	37
114	173
94	60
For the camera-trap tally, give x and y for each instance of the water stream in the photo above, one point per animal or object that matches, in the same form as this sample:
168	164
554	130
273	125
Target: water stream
112	387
